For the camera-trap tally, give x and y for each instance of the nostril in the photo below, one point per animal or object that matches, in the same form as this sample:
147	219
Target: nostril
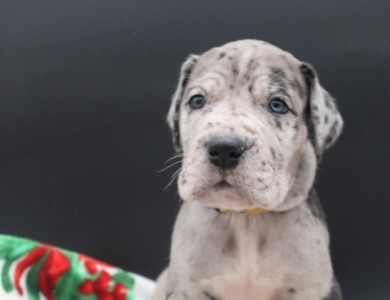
213	153
235	155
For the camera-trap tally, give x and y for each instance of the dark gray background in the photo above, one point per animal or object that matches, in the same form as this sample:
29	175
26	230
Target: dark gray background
84	88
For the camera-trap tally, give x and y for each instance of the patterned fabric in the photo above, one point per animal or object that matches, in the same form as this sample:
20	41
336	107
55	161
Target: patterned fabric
34	271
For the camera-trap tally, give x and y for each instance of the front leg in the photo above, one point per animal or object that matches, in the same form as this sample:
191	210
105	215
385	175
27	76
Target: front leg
169	288
161	291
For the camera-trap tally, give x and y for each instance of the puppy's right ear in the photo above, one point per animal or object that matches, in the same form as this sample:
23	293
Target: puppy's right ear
325	119
174	110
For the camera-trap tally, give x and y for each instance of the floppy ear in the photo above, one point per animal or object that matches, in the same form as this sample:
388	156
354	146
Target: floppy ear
325	121
174	110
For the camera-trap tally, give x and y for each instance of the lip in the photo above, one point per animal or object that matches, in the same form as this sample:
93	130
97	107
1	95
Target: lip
223	184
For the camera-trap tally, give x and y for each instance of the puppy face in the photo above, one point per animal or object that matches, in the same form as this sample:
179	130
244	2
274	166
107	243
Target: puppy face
254	93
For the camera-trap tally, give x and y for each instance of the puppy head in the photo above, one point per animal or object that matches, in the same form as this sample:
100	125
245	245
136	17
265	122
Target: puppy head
241	115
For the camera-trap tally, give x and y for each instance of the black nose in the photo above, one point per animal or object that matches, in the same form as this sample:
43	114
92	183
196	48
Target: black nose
225	151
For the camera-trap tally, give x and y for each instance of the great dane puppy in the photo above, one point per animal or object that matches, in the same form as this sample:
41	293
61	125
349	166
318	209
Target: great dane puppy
252	122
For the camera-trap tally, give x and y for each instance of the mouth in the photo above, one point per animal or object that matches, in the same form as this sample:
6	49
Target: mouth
223	184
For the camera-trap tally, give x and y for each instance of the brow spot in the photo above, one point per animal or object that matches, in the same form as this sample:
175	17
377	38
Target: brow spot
221	55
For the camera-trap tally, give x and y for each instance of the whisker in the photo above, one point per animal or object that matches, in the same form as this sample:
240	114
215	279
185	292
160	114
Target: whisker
173	177
177	155
171	165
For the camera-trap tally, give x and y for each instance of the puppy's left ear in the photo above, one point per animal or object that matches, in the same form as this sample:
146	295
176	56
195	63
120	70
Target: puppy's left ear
325	121
174	110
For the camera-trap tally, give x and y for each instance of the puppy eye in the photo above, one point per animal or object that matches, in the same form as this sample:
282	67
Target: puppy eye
278	106
197	101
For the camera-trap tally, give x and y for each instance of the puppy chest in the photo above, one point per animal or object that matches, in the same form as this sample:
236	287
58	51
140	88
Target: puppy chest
242	272
275	263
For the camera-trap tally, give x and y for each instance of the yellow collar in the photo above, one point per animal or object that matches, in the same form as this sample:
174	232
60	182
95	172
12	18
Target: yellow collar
250	211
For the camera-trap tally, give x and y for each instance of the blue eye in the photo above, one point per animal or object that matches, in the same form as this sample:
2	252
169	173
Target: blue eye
278	106
197	101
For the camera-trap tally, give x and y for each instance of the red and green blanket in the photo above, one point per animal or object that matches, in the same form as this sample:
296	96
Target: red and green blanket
34	271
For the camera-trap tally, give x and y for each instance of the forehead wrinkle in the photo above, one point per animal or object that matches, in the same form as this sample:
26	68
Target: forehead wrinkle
245	59
208	77
196	87
260	79
204	81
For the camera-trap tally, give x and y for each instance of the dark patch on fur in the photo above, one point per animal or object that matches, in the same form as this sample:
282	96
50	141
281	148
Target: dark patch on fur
231	245
297	87
221	55
231	86
251	65
328	100
326	119
262	242
168	296
315	205
308	71
294	113
292	291
296	129
250	88
277	79
209	296
328	140
332	134
273	153
278	123
335	293
279	72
